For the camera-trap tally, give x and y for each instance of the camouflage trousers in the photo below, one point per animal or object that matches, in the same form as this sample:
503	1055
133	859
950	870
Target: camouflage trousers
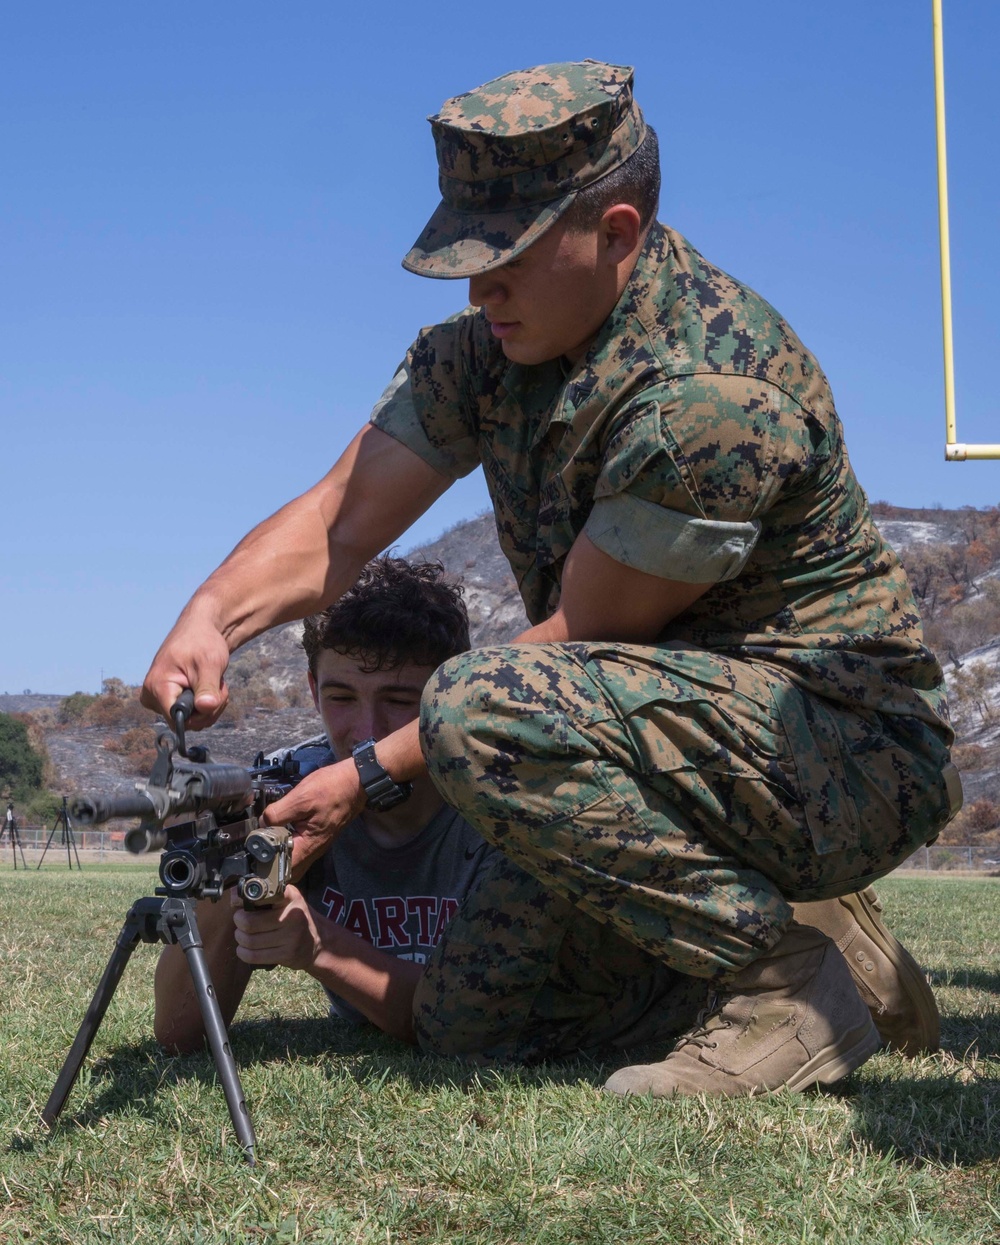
676	795
522	974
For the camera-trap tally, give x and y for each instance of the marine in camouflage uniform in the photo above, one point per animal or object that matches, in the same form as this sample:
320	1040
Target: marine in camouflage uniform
787	737
724	710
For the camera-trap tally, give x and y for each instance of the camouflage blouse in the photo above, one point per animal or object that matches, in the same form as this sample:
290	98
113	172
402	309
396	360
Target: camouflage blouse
697	441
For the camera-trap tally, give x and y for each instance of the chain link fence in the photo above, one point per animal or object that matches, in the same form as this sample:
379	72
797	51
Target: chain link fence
107	845
89	845
954	857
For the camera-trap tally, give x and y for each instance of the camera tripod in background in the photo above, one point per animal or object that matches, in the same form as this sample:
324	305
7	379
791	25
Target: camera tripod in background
10	825
64	823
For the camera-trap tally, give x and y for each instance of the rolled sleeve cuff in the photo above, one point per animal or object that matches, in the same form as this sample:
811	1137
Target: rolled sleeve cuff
395	413
667	543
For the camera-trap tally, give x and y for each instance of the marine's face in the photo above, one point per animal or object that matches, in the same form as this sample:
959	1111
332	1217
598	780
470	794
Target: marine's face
356	705
552	299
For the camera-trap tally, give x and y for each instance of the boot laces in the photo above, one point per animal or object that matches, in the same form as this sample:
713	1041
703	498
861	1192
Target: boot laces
710	1021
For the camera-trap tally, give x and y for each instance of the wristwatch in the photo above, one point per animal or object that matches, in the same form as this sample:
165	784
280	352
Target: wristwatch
382	791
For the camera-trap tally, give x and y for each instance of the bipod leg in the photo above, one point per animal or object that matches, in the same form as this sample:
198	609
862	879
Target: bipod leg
135	927
179	917
166	920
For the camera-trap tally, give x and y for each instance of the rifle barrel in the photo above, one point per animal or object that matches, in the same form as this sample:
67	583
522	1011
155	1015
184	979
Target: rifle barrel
89	810
223	788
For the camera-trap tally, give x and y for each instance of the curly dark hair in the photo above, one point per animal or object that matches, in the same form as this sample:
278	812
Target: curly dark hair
397	612
636	181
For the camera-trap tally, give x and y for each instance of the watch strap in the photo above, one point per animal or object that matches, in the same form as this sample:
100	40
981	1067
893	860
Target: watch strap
381	790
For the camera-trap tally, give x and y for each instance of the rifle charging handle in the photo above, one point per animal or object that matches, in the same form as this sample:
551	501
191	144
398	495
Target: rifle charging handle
181	710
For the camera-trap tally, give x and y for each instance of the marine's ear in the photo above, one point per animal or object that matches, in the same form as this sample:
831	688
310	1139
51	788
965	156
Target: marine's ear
620	230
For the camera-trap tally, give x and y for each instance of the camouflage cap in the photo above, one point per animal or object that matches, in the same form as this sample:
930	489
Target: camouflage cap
512	155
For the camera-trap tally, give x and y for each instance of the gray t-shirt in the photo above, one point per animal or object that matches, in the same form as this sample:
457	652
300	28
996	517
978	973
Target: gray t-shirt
399	899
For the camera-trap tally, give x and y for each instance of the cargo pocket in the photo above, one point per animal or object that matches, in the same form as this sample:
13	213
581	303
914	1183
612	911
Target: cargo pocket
817	767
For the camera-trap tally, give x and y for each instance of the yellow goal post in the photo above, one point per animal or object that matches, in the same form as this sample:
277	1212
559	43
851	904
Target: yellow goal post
954	450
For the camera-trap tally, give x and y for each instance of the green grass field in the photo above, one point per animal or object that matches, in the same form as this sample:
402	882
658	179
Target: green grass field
361	1140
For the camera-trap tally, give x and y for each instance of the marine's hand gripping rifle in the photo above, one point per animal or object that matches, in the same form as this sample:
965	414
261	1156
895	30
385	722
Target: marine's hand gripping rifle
214	840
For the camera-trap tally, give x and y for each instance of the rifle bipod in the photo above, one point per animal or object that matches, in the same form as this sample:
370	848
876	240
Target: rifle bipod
166	920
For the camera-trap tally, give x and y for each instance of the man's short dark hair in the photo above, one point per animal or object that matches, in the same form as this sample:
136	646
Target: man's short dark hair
397	612
636	182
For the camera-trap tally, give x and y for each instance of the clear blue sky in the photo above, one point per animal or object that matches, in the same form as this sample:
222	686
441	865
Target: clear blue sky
204	207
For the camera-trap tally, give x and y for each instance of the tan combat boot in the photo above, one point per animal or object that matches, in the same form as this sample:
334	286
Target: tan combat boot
888	978
792	1018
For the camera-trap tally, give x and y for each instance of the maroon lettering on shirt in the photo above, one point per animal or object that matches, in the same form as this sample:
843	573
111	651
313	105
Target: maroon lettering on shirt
386	927
424	907
333	903
390	916
357	920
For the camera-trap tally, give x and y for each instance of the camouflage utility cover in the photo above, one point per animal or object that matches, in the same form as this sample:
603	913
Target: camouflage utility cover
697	441
511	156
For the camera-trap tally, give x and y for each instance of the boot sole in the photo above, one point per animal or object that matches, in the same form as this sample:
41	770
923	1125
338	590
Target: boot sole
834	1063
925	1034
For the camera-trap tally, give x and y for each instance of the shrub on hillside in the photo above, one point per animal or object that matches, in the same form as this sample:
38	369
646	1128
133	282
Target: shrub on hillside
136	746
73	709
22	765
972	824
35	724
969	756
974	621
927	568
249	686
117	706
296	695
982	815
256	693
972	690
43	808
254	682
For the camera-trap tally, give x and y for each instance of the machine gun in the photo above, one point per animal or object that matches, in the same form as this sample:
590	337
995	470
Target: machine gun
205	820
